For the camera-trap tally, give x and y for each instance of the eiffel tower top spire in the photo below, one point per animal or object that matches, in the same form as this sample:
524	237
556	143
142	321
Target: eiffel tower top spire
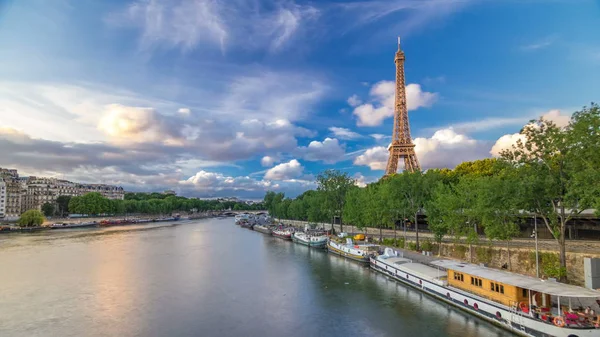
402	145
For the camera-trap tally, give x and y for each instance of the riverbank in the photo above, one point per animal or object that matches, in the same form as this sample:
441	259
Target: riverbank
519	257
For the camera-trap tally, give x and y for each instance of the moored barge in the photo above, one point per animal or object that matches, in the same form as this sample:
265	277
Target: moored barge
521	304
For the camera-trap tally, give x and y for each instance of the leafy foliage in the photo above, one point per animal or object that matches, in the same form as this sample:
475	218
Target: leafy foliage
31	218
48	209
138	203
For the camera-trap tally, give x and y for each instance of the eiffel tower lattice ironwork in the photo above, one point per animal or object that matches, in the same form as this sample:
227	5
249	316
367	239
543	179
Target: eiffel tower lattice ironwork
402	145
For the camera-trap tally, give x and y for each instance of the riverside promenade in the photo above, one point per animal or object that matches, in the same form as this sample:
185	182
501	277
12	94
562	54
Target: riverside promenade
574	246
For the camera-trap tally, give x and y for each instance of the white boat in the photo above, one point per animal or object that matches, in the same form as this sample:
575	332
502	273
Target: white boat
355	251
311	238
521	304
244	217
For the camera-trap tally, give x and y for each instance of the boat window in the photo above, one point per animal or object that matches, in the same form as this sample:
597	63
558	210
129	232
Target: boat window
524	292
492	286
476	281
459	277
497	288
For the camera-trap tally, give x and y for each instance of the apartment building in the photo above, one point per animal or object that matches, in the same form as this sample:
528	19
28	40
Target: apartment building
25	193
14	191
2	198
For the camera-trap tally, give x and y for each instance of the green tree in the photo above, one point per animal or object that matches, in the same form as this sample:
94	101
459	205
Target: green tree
76	205
354	208
412	191
48	209
31	218
453	209
63	204
297	209
499	210
584	138
547	163
314	202
334	185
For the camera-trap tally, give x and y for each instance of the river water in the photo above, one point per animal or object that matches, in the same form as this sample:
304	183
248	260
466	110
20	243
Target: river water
204	278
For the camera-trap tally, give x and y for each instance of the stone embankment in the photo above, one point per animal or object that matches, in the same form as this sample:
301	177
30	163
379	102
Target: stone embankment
519	257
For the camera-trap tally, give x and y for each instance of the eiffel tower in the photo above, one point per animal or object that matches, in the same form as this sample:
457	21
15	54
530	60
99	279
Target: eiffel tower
402	145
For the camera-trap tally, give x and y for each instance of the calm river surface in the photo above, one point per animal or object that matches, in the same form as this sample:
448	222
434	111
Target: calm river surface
203	278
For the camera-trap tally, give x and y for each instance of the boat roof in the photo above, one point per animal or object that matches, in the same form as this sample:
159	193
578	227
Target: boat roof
521	281
422	270
418	269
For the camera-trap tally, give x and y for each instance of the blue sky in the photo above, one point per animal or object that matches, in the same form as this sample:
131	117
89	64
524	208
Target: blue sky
237	97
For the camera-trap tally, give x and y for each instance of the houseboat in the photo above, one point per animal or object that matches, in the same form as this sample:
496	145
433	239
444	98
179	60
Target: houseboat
283	232
311	238
73	225
354	251
242	218
525	305
247	224
263	229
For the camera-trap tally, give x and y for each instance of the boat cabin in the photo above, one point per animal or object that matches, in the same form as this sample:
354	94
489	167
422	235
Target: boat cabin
536	297
489	286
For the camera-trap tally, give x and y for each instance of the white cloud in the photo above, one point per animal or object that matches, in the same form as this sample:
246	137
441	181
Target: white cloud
139	125
284	171
329	151
271	95
268	161
557	117
184	111
354	100
540	44
362	181
507	141
344	133
187	24
375	158
382	102
378	136
447	148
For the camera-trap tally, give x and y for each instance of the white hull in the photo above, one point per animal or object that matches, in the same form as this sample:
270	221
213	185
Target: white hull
494	312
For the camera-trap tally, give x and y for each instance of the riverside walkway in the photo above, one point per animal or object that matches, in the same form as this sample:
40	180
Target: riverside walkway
575	246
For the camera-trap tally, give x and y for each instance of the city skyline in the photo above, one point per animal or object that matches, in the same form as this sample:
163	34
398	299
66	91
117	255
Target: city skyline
234	98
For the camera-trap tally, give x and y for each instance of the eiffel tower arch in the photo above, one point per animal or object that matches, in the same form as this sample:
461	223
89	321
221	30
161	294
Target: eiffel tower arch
402	146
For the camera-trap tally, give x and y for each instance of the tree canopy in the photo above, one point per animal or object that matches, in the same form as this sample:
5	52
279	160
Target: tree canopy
31	218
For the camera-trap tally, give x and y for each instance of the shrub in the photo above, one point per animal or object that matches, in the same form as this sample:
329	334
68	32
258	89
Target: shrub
412	246
427	245
484	254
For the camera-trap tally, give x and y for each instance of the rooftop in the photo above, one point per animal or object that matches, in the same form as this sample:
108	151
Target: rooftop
521	281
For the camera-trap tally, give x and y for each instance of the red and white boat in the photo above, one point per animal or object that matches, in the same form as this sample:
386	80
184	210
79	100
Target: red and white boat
283	232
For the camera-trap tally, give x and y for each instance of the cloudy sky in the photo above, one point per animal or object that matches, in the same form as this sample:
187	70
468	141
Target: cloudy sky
236	97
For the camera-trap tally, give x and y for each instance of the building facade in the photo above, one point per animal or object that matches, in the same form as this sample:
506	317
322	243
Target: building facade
25	193
2	198
14	192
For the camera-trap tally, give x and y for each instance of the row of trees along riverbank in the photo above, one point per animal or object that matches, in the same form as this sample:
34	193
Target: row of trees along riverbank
139	203
552	173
